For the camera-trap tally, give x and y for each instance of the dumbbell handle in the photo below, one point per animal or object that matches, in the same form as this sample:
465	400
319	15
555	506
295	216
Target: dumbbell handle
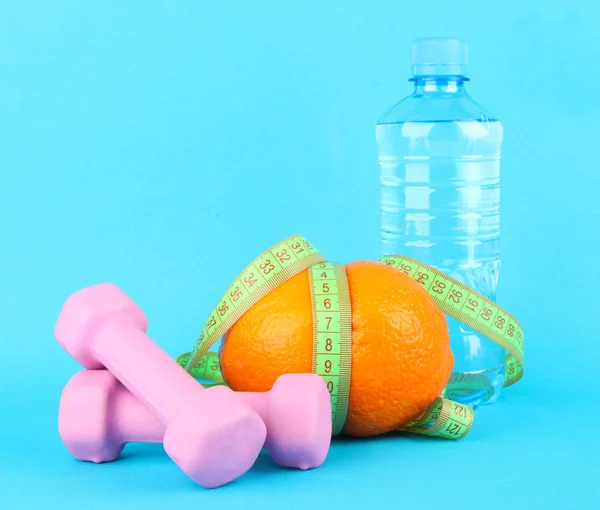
144	368
133	422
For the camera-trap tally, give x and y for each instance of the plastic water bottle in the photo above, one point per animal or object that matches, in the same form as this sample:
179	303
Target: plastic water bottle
439	153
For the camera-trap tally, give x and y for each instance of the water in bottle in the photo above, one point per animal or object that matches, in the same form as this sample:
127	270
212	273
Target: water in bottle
439	154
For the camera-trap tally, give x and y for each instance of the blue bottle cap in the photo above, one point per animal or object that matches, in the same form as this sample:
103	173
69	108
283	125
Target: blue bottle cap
438	56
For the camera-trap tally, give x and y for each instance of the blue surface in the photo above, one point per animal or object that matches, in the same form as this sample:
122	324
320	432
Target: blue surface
162	145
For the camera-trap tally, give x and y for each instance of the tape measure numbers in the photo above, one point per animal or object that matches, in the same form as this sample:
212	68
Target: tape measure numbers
208	367
444	418
332	335
269	270
469	307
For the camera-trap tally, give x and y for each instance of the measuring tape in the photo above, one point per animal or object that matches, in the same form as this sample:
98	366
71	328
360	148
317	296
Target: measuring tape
445	419
269	270
469	307
332	335
332	319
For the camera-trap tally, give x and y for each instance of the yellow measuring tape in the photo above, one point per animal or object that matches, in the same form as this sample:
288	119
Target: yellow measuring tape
332	336
269	270
469	307
332	340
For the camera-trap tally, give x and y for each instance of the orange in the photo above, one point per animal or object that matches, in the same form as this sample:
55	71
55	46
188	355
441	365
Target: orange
401	357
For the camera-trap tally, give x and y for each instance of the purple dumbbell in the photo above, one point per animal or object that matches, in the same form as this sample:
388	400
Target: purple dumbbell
210	433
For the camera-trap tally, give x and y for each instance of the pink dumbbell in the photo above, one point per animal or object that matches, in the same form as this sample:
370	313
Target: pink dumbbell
98	416
210	434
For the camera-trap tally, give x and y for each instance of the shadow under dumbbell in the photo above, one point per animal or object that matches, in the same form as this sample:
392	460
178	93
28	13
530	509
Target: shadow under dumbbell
136	451
265	465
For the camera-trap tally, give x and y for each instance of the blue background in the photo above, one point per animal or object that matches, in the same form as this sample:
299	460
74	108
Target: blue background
162	145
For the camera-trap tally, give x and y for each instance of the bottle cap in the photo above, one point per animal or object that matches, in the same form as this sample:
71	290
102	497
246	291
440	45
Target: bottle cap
438	56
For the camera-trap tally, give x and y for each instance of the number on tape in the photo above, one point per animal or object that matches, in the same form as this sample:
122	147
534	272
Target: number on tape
469	307
261	276
332	335
444	418
207	368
